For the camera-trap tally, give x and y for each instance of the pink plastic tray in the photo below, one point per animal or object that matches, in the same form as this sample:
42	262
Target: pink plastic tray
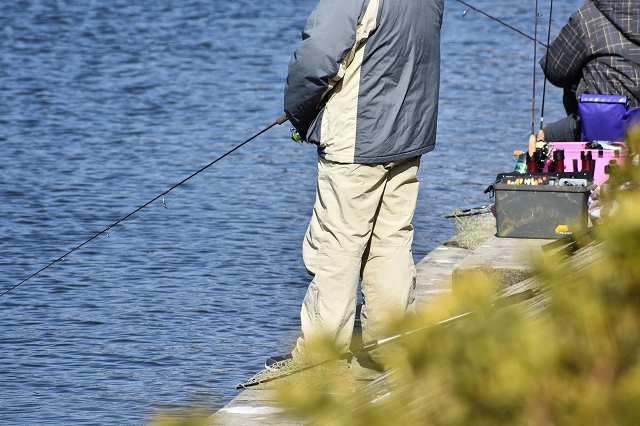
572	152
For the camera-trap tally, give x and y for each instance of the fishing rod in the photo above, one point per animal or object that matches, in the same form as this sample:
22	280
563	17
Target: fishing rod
280	120
500	22
546	64
532	138
270	376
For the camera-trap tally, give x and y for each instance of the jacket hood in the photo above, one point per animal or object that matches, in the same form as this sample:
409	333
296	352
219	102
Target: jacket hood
624	15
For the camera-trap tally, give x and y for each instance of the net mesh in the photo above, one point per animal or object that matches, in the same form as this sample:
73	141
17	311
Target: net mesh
474	226
306	373
278	370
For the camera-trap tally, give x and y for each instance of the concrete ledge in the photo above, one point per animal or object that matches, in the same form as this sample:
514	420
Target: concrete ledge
434	273
253	408
503	261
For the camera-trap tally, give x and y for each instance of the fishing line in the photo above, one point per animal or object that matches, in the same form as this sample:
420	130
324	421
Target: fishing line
119	223
166	204
500	22
546	64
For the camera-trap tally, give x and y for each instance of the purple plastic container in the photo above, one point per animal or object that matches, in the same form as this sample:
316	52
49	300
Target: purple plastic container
604	117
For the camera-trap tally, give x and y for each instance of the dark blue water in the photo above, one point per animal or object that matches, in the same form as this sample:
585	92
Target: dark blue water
106	104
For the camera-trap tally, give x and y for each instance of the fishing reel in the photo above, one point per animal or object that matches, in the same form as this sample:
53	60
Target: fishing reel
542	151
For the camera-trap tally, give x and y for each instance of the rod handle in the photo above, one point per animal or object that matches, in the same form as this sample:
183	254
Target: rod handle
282	119
540	135
532	144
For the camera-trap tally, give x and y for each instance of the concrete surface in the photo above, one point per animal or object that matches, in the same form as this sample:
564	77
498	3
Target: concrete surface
434	273
253	407
503	261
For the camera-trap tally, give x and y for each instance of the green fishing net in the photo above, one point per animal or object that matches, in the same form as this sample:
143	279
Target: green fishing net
309	373
474	226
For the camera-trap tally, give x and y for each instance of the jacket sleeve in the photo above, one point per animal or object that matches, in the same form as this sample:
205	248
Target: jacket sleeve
319	61
567	55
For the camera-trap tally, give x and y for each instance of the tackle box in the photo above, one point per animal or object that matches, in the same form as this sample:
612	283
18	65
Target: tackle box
541	210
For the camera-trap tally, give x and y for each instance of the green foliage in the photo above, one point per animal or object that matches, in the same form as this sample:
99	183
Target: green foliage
578	364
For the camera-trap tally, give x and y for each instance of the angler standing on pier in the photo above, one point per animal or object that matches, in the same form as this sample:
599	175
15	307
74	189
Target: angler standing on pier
597	52
363	86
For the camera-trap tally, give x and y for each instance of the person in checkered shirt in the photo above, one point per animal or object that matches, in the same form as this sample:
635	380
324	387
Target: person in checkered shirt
597	52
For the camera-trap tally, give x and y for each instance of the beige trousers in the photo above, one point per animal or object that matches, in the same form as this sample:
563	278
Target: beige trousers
360	228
